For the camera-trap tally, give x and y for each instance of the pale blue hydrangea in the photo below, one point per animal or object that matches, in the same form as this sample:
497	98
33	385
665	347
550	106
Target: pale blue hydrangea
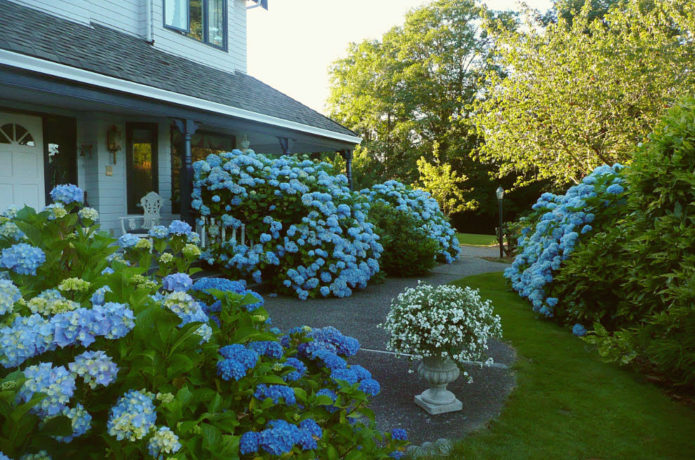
95	368
163	442
128	240
22	258
579	330
98	298
563	219
10	231
159	232
132	417
179	227
177	282
55	382
80	420
67	193
9	294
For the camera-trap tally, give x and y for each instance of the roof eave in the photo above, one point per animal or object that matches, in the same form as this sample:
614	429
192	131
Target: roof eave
55	69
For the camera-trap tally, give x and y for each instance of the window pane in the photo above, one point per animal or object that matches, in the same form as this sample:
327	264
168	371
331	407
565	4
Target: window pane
196	11
176	13
216	22
142	177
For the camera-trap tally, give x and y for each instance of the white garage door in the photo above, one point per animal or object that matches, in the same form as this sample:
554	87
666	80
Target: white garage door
21	161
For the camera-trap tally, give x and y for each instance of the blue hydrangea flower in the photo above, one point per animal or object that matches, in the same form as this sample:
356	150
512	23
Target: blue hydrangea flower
55	382
370	387
297	373
179	227
159	232
399	434
98	298
128	240
132	417
9	294
578	330
249	443
95	368
267	348
276	393
177	282
22	258
67	193
80	420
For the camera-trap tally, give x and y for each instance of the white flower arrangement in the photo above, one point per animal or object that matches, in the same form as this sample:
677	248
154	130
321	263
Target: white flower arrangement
444	321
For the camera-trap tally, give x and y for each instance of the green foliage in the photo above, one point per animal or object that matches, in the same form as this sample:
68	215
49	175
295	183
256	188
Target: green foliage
440	181
636	278
581	95
172	362
407	249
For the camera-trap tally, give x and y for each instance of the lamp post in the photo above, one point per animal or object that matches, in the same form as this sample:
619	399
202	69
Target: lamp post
500	234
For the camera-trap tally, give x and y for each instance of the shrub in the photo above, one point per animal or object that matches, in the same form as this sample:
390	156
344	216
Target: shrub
636	280
104	356
407	249
425	211
309	232
443	321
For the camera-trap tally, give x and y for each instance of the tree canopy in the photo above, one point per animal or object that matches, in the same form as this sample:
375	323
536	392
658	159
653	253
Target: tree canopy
402	92
583	94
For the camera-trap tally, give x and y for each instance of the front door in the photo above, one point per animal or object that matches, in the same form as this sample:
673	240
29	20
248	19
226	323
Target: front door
21	161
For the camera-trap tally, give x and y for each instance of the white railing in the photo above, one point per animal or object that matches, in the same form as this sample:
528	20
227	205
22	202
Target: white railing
213	233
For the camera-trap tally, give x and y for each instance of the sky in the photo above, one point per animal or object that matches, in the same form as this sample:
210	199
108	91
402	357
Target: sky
291	45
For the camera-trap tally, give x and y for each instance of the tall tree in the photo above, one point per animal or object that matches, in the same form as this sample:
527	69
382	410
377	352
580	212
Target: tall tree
405	93
580	95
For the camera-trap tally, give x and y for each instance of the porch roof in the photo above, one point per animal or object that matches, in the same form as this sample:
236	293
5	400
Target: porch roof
116	56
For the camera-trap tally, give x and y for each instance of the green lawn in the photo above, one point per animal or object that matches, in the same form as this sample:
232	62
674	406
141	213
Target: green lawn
475	239
569	404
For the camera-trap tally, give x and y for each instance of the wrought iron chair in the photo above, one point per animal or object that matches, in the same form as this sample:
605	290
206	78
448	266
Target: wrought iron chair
140	225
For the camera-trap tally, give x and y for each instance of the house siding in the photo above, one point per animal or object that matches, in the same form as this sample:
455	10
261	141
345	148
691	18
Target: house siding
129	16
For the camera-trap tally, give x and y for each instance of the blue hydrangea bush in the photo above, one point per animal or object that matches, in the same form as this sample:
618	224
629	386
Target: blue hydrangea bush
555	227
104	355
425	210
307	233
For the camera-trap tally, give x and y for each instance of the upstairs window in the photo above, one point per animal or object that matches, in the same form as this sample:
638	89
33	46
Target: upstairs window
202	20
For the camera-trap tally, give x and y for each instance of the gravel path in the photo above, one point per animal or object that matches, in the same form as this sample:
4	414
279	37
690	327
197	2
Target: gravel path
359	315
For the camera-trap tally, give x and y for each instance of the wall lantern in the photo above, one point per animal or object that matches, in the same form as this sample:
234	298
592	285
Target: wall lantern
113	141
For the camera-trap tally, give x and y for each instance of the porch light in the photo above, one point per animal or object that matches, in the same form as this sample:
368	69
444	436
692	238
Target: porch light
113	141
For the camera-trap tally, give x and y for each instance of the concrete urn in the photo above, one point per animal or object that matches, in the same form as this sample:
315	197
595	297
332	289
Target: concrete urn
438	372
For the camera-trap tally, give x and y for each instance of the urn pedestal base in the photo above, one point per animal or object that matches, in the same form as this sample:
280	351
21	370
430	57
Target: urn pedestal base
435	409
438	373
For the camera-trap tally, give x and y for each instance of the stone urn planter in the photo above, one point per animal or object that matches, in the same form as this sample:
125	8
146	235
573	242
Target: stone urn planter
438	372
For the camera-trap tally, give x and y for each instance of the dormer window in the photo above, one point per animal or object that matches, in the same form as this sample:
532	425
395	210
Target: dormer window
202	20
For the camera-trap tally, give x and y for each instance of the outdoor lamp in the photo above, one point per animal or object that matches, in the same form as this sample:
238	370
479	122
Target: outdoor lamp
500	233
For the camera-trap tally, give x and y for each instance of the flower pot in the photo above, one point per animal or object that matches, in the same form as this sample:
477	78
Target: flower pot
438	372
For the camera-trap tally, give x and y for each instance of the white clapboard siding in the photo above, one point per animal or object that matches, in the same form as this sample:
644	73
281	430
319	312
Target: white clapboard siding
129	16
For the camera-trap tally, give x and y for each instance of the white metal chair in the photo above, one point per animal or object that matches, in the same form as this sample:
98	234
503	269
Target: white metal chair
140	225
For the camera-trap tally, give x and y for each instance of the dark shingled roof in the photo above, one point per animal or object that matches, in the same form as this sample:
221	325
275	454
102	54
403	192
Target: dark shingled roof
109	52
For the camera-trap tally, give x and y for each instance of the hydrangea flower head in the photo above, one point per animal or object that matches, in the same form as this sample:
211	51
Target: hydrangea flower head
132	417
163	442
67	193
22	258
177	282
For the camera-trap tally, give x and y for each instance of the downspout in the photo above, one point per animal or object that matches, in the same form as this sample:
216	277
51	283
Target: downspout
149	33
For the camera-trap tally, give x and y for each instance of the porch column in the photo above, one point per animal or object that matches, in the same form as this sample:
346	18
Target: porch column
285	145
347	156
187	128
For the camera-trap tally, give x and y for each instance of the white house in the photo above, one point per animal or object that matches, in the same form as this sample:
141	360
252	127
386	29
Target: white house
119	96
